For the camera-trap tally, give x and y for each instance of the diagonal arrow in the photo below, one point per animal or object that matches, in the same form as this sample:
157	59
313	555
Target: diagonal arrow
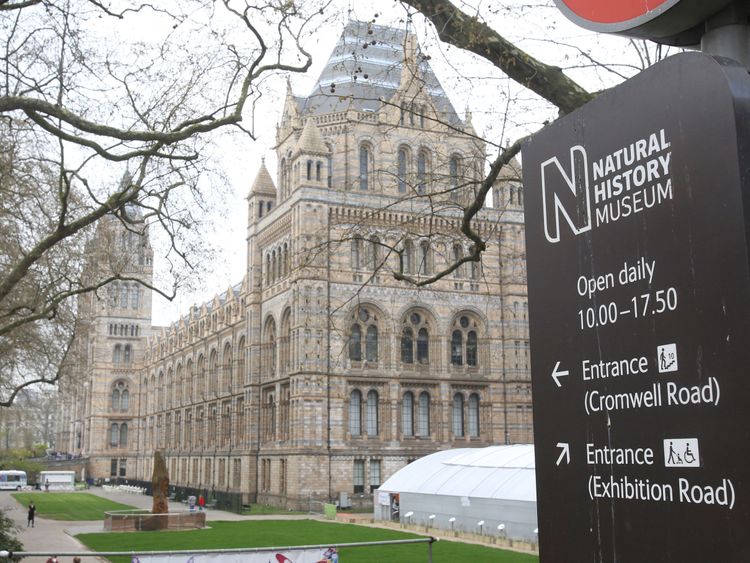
565	453
556	375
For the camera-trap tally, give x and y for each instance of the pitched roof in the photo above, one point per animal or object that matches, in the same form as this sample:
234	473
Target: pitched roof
263	183
365	68
311	141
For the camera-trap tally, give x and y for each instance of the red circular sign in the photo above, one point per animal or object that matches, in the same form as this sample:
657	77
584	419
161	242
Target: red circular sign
649	19
612	12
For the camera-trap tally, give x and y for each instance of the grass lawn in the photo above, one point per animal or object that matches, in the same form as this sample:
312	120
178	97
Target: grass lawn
259	533
265	510
69	506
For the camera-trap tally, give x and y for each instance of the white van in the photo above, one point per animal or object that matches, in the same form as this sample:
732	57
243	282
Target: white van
12	479
57	480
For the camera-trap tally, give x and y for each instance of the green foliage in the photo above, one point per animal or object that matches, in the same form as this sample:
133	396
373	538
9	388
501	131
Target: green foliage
18	458
260	533
69	506
9	534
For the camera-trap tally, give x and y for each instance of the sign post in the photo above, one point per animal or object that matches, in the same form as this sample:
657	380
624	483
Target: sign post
637	225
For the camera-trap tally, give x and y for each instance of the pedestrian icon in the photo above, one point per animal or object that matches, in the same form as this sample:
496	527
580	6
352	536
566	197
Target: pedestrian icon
681	452
666	357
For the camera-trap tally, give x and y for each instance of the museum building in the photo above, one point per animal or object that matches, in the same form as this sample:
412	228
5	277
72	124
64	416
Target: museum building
321	373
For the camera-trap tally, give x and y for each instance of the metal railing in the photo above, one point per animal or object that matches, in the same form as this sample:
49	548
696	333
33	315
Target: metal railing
7	556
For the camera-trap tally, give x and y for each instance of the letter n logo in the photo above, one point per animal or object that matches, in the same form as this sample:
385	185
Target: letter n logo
568	198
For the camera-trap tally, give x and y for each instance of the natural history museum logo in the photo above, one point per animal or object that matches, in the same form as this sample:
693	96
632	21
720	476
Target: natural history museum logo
621	184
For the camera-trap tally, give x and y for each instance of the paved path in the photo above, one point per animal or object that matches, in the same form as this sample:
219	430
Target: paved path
57	535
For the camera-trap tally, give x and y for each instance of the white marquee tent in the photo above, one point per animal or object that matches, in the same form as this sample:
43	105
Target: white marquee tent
482	490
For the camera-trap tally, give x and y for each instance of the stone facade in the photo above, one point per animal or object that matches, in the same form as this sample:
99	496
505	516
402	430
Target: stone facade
98	409
320	372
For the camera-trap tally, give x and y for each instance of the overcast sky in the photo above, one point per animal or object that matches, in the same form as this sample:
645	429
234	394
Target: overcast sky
501	110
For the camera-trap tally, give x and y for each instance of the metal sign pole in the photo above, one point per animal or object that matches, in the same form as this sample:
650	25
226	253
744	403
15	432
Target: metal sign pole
728	35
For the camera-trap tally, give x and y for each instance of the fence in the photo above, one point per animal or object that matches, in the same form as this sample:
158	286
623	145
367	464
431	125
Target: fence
230	555
221	500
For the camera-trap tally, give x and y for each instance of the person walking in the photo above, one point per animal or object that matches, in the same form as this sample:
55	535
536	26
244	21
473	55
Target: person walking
32	514
201	502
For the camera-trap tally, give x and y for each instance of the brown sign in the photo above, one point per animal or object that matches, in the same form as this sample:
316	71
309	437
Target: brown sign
639	300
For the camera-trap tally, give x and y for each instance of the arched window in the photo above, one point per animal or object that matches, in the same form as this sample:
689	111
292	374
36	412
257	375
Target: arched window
189	381
124	295
285	341
318	167
371	413
269	347
127	355
465	341
458	415
475	267
330	164
407	257
117	355
355	344
226	369
407	414
309	169
471	348
286	268
269	280
423	346
457	254
364	323
373	253
114	290
422	164
241	361
356	253
423	415
407	345
424	258
457	348
123	435
120	396
415	323
114	434
454	166
403	156
260	208
473	415
371	346
200	385
213	372
135	293
355	413
365	165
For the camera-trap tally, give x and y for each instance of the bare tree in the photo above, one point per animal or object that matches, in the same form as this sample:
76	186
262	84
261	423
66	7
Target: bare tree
106	110
468	31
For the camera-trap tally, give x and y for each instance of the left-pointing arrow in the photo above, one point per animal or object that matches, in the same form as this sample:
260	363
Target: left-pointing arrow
565	453
557	373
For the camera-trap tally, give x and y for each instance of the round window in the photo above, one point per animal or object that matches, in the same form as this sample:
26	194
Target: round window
415	318
363	315
464	322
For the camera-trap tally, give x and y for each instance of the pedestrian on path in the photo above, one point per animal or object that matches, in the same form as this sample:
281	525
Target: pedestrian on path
32	513
201	502
53	559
